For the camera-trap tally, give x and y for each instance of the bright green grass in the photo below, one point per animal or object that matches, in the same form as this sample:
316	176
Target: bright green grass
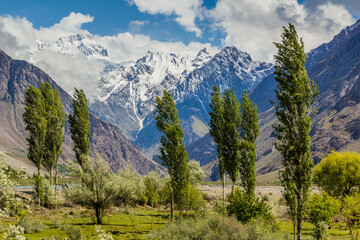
119	224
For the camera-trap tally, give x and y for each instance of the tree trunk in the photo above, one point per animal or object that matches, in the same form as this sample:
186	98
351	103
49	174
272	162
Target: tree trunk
56	183
98	217
223	183
299	221
172	206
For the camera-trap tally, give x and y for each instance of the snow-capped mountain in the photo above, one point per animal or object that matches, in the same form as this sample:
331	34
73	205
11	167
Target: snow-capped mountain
127	94
81	43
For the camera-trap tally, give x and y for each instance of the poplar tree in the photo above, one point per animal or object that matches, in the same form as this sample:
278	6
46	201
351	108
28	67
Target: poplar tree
35	123
296	93
224	128
172	150
249	131
80	126
216	130
54	113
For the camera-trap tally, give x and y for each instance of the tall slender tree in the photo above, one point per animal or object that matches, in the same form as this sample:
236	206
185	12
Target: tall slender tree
216	130
224	128
172	150
249	131
36	122
296	93
80	126
54	137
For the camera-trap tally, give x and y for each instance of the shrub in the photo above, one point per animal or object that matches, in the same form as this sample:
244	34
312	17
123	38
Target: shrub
246	208
102	234
74	233
351	211
14	233
44	192
213	227
131	186
322	208
31	226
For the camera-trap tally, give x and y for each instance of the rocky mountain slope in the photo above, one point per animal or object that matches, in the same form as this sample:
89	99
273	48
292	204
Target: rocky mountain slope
335	67
15	77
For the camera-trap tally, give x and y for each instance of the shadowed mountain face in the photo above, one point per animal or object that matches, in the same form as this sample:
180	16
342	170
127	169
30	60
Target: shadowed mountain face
335	67
15	77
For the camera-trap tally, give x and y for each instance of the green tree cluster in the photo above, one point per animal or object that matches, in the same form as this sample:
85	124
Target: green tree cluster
295	95
44	118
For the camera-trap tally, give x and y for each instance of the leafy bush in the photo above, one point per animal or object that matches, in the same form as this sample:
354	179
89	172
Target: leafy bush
74	233
213	227
14	233
195	199
246	208
322	208
44	192
10	204
102	234
31	226
131	186
351	211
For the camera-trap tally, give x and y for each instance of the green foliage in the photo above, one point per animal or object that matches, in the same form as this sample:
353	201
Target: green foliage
338	173
74	233
225	123
322	208
295	95
44	192
10	204
97	188
351	210
213	227
14	233
80	126
35	123
172	150
54	113
31	226
150	192
130	186
195	199
246	208
249	131
197	174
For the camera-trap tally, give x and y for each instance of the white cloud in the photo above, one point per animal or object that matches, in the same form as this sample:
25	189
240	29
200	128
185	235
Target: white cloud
18	38
186	11
137	25
253	25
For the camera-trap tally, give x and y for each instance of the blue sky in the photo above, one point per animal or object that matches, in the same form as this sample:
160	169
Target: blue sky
115	16
128	29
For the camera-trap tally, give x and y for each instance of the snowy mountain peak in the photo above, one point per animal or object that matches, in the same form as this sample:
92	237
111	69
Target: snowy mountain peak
320	52
80	43
132	89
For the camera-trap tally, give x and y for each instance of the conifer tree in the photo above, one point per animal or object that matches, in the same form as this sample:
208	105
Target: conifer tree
296	93
35	123
54	113
172	149
80	126
249	131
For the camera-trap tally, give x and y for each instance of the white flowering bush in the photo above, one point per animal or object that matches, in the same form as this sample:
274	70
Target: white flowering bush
102	234
9	203
14	233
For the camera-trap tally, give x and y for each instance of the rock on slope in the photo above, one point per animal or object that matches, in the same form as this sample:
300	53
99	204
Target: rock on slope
15	77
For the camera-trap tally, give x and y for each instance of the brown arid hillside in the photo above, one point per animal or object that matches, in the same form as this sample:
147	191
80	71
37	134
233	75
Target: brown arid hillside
15	77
